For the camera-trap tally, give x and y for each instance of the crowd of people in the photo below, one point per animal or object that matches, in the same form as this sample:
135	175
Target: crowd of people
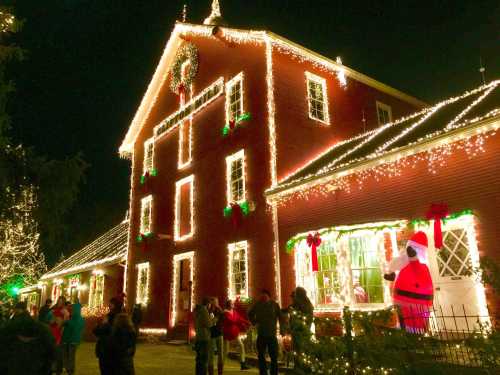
47	344
216	329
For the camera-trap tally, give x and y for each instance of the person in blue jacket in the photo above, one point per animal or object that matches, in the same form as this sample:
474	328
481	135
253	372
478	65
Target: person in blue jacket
71	338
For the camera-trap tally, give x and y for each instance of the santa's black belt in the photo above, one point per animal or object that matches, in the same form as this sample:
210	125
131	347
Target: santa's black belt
405	293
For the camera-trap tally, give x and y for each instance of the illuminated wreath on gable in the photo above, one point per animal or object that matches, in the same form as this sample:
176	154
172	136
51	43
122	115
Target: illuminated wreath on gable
188	52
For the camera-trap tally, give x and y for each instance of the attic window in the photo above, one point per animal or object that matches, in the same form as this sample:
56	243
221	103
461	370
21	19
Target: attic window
384	113
317	98
234	98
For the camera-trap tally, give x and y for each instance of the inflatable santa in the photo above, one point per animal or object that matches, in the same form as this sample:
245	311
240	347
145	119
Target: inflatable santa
413	288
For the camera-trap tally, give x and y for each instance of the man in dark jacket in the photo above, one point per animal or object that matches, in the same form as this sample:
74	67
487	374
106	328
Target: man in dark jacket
26	345
265	314
44	315
202	324
103	333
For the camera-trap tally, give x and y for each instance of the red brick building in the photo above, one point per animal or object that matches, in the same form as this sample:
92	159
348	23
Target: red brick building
362	194
227	115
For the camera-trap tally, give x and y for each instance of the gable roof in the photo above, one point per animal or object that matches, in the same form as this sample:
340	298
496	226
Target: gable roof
238	36
447	118
109	248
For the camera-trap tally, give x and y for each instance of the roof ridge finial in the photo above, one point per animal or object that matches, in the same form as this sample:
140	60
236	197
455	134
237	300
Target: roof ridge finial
215	17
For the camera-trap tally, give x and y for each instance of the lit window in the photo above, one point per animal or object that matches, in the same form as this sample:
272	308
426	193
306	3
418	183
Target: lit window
184	213
350	269
146	214
96	291
317	98
142	295
235	175
73	288
238	269
185	130
57	289
148	164
384	113
234	98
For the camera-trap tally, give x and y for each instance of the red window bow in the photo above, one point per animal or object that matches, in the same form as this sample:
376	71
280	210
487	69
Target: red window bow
313	241
437	212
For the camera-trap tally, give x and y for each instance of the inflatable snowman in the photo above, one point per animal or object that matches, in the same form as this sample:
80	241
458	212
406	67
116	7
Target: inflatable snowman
413	288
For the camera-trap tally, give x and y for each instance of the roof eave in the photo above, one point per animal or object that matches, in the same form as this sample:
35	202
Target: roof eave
490	124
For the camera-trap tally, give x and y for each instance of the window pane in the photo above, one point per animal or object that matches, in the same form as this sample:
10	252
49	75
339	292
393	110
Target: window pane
366	273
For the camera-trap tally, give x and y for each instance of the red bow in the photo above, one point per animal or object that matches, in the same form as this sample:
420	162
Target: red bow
313	241
236	214
437	212
232	124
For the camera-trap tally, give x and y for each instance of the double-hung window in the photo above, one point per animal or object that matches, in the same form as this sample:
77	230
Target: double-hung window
235	175
384	113
234	98
148	163
96	291
142	294
317	98
238	269
146	204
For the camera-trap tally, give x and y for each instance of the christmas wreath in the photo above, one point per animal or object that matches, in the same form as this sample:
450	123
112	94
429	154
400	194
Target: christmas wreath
188	52
235	123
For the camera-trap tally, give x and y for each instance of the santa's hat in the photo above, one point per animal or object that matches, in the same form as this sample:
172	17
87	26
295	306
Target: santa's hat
419	242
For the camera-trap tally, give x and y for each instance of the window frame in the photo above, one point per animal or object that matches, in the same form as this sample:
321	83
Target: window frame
239	78
145	167
181	164
232	248
144	300
384	107
177	214
343	271
240	155
144	202
99	278
322	82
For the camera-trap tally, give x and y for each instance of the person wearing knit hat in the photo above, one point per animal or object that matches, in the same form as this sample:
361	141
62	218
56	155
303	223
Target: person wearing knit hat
413	288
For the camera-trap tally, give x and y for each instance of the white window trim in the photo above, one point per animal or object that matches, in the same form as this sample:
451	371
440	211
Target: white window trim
175	279
178	186
144	166
144	202
92	290
180	163
231	248
384	107
312	77
141	266
229	85
229	160
344	272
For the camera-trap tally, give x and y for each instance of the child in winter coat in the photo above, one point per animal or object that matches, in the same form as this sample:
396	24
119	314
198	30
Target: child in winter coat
71	338
232	326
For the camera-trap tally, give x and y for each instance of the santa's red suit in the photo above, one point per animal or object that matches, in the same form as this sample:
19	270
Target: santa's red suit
413	289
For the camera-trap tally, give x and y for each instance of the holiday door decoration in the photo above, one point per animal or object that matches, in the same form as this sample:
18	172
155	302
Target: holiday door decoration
188	53
235	123
437	212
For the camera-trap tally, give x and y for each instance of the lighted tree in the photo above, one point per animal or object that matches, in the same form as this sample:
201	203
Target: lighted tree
22	262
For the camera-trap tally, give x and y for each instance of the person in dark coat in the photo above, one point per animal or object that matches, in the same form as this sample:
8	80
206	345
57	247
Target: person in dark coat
122	343
137	317
27	346
103	332
265	314
45	315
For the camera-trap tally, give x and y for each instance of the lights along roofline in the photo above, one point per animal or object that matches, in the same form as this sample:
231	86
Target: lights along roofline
162	71
486	125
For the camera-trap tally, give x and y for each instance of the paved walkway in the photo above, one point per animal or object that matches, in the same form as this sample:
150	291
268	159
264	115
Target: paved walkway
153	359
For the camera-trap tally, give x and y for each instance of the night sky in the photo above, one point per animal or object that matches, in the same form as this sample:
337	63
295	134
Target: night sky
89	62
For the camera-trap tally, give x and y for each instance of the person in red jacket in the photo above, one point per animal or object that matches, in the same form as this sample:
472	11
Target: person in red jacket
233	325
413	290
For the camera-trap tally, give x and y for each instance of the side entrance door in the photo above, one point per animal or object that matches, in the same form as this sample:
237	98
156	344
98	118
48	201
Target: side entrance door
459	299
